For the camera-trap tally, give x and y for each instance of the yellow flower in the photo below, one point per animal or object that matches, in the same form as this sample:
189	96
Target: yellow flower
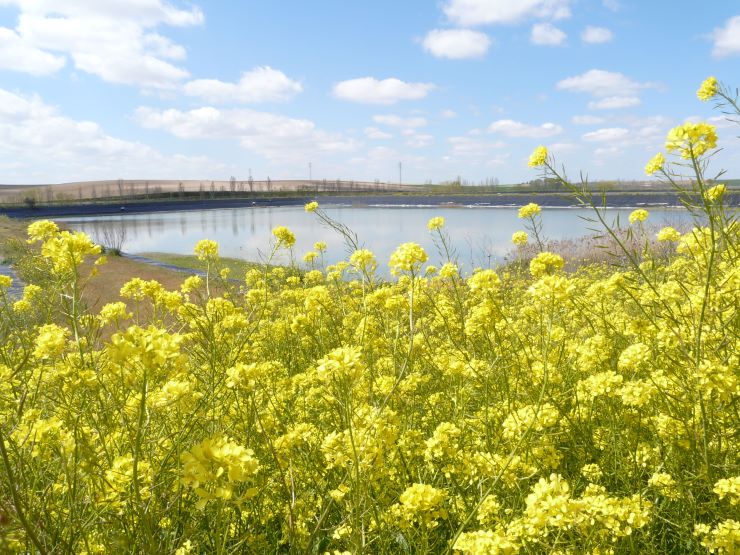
538	157
529	211
691	139
715	193
436	223
728	487
408	257
363	260
310	257
206	249
485	280
319	246
284	236
664	483
311	206
655	164
113	312
214	465
708	89
448	270
50	341
668	234
191	283
41	231
638	215
5	281
520	238
545	263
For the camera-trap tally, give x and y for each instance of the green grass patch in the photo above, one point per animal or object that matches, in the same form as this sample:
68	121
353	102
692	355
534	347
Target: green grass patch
237	266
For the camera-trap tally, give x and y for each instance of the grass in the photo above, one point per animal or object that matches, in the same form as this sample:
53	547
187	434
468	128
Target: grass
236	266
103	289
9	229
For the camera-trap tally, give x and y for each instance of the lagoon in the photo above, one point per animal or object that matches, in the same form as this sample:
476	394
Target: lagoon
480	235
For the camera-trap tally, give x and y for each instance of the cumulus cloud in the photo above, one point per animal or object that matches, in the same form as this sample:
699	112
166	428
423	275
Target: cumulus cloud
468	147
614	103
273	136
448	114
114	40
46	146
377	134
587	120
419	140
513	128
456	44
19	55
369	90
596	35
727	39
606	134
600	83
397	121
546	34
261	84
483	12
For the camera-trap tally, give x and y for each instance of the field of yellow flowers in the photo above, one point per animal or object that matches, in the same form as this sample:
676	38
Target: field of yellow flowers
517	410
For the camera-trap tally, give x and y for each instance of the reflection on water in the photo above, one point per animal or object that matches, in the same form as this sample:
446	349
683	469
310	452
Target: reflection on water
479	235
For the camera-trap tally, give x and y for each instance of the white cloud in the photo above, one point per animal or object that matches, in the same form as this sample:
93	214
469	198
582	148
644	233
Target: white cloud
587	120
273	136
46	146
467	147
18	55
546	34
261	84
596	35
606	134
456	44
600	83
727	39
612	5
419	140
513	128
397	121
614	103
483	12
369	90
375	133
448	114
559	148
114	40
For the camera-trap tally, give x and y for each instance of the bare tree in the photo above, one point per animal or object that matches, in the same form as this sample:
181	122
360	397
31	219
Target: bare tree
232	184
111	236
120	187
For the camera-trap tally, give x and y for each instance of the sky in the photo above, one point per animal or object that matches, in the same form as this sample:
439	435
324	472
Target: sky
157	89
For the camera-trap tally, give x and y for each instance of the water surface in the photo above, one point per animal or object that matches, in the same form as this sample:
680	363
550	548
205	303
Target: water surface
480	235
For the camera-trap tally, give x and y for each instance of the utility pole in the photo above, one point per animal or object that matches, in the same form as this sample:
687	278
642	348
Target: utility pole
400	173
310	172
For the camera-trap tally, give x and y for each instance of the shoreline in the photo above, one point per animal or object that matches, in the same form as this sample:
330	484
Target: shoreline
496	200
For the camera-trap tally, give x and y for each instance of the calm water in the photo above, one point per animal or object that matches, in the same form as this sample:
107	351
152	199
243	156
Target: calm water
480	235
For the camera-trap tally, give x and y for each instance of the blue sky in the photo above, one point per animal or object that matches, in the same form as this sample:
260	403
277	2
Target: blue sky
101	89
